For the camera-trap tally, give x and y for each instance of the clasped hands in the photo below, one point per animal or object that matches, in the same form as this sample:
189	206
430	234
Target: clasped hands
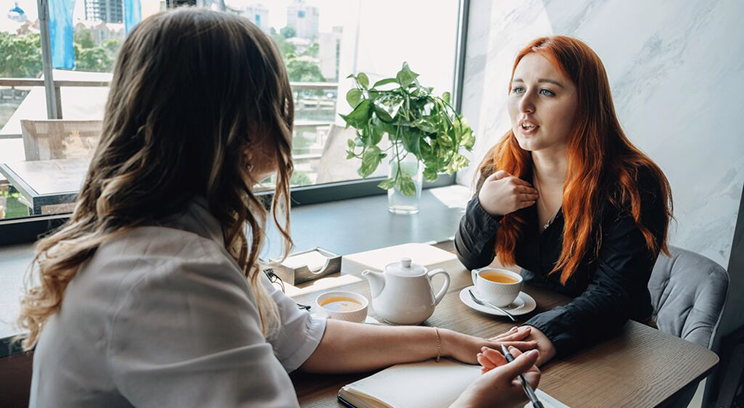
499	385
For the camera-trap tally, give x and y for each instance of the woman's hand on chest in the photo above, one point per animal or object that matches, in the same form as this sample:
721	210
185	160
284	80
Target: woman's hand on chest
503	193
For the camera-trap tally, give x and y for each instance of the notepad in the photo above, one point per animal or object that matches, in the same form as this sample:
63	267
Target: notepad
429	256
426	384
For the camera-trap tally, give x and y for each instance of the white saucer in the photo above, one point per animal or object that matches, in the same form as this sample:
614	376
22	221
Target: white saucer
523	304
368	320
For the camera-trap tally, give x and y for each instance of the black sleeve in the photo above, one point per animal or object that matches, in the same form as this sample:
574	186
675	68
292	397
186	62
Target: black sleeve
618	287
476	237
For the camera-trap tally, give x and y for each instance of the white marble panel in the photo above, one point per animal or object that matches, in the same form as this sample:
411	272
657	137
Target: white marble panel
677	74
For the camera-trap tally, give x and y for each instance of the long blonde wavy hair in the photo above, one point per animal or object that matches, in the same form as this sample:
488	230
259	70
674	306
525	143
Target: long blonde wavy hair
191	93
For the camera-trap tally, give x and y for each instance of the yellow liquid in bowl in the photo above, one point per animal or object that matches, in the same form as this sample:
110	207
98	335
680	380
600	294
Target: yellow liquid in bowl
341	304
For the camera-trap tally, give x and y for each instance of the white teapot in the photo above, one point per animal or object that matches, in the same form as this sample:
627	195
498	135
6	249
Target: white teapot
402	294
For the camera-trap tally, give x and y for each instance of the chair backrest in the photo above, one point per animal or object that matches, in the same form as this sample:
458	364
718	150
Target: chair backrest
688	292
60	139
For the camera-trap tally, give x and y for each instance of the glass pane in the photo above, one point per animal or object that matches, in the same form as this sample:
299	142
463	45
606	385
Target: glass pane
42	162
323	41
20	59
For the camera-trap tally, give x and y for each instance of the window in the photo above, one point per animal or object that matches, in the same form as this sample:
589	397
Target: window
321	41
41	162
20	66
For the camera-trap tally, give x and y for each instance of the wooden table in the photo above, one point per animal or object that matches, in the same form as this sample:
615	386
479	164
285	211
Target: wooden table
47	186
643	367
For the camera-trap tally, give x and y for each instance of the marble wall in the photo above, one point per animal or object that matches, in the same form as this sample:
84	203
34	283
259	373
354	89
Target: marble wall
677	73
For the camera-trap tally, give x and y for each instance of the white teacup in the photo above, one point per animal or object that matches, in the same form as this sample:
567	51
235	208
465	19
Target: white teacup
342	305
497	286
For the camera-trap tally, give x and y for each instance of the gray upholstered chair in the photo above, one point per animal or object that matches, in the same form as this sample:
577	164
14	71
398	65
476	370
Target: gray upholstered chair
688	292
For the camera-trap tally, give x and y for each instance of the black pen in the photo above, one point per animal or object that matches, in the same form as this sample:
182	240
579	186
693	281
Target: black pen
525	386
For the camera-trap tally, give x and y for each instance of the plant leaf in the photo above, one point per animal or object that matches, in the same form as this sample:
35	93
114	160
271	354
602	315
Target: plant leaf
363	135
354	96
411	141
421	91
359	117
446	97
406	184
426	124
385	82
382	113
370	160
386	127
405	76
430	174
426	151
388	106
363	80
468	140
375	134
458	162
387	184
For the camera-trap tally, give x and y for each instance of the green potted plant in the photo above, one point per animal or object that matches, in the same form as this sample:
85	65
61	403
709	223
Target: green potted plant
425	134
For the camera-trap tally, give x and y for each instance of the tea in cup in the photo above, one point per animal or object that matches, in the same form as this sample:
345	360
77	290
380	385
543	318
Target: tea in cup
342	305
497	286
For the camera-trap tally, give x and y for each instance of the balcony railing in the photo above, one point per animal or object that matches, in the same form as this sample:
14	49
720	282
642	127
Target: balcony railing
315	110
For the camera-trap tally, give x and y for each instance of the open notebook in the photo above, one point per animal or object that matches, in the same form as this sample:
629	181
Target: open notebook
419	385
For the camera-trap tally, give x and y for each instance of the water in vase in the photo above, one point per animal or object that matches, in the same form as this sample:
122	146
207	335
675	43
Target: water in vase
399	203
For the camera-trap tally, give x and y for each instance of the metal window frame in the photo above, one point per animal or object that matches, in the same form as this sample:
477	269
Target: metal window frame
29	229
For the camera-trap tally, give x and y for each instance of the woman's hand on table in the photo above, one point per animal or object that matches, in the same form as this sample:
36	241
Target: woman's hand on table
466	348
499	386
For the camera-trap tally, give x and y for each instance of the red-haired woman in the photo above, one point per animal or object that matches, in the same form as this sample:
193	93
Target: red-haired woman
568	198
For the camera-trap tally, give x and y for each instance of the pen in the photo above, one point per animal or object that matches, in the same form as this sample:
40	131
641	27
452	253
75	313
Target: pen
525	386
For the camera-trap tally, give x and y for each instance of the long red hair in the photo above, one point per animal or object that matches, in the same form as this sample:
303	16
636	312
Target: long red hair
603	165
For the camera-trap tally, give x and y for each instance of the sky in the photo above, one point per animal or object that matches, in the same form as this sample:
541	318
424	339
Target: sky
29	6
332	12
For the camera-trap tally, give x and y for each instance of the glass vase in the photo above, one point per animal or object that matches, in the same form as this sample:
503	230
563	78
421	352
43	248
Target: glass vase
399	203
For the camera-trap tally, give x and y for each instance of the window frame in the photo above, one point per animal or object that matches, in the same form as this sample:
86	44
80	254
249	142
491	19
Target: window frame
28	229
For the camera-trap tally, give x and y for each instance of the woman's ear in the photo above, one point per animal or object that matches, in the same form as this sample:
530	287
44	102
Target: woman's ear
247	153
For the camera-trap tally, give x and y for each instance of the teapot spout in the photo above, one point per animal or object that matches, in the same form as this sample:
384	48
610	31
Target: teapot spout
376	282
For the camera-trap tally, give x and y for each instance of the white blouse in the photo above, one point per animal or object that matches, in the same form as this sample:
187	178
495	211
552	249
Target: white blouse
163	317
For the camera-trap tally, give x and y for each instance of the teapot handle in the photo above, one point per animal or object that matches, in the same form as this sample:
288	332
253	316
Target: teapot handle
438	298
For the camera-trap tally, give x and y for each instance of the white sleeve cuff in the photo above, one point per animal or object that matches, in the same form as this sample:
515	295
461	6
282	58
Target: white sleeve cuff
312	335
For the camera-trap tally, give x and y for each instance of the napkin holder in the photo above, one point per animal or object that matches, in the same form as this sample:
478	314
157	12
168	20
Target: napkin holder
294	272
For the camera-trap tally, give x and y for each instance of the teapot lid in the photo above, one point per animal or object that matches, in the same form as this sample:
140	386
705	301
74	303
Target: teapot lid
405	268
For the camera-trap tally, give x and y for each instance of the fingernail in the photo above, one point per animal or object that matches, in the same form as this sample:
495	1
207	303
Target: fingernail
513	328
483	348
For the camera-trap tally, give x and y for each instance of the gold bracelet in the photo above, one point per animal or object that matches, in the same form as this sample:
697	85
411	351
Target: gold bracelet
439	344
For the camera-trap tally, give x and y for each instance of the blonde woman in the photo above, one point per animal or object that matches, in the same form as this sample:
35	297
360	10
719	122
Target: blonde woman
151	295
